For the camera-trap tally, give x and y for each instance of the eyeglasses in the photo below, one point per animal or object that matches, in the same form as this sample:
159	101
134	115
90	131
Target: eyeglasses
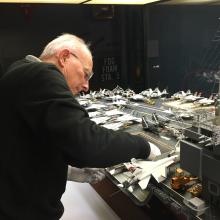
87	75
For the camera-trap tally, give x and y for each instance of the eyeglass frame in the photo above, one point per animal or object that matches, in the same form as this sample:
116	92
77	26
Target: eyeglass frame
87	76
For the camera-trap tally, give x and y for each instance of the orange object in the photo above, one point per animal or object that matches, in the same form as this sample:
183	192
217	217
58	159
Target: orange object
180	180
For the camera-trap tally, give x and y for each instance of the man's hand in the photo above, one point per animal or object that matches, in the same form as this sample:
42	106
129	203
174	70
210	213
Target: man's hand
85	175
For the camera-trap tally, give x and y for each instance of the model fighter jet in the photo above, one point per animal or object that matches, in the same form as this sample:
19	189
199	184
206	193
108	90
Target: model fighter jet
143	170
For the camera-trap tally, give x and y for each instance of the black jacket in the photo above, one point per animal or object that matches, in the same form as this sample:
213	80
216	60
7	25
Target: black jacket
43	129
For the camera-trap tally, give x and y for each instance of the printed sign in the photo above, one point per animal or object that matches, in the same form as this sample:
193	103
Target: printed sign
110	69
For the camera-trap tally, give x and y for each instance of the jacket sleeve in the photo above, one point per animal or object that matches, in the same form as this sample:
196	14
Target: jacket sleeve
56	118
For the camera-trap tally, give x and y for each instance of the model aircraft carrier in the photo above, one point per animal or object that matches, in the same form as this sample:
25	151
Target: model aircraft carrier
176	130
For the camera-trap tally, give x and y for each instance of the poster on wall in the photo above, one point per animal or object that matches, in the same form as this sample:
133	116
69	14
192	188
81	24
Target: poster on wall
107	72
110	69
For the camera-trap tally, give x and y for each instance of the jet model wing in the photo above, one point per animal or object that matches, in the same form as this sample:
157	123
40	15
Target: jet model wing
157	169
143	183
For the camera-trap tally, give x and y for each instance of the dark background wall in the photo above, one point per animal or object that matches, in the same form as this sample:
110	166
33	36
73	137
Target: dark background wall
27	28
187	51
134	47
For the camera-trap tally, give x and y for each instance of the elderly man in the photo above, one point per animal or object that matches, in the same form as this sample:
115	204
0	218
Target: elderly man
44	129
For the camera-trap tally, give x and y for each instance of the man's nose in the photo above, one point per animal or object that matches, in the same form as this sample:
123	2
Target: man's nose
85	87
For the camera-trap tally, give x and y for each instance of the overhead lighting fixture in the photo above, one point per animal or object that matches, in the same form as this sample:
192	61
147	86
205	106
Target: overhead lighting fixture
189	2
103	2
120	2
43	1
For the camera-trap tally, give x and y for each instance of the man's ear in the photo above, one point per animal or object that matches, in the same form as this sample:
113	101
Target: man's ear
62	56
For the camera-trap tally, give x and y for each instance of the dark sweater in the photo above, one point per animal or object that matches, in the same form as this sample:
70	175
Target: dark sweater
43	130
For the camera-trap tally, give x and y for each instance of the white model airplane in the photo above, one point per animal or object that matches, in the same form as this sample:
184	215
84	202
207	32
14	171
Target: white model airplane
181	94
137	97
156	93
147	92
205	101
192	98
169	112
146	169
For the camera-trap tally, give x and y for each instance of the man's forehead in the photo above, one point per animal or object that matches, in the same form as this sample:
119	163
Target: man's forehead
87	61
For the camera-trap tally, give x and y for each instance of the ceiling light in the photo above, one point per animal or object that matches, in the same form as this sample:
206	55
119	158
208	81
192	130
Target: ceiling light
43	1
109	2
189	2
121	2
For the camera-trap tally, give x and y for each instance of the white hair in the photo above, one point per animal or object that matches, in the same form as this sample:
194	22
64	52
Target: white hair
66	40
